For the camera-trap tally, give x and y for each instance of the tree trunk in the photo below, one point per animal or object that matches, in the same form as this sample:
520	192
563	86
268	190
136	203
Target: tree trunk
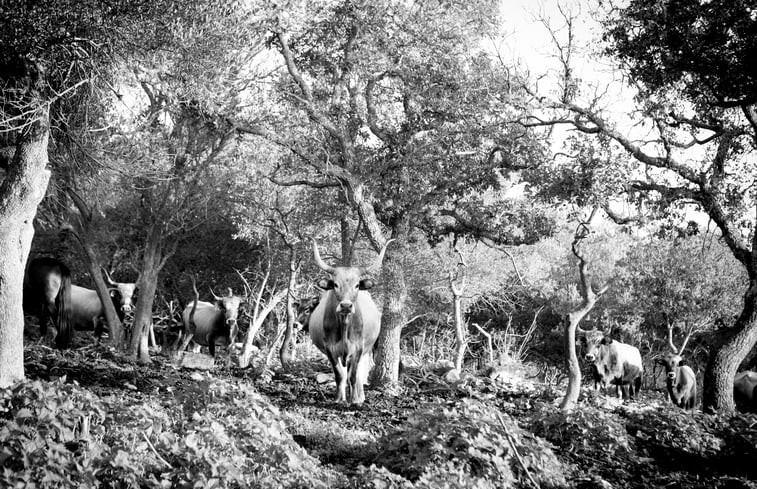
387	349
571	360
115	328
346	240
717	395
460	340
286	353
21	192
148	285
574	317
257	322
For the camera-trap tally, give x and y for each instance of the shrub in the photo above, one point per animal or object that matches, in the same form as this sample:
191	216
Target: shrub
465	445
50	435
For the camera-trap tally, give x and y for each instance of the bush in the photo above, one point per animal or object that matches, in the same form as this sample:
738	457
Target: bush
212	433
585	429
50	436
466	446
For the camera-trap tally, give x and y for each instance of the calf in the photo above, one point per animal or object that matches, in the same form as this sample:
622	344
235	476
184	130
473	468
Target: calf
613	363
745	391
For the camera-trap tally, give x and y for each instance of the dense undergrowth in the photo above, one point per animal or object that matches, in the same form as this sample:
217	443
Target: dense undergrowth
85	418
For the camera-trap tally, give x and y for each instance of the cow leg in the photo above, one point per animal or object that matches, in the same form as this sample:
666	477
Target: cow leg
151	339
340	375
211	340
99	327
356	388
362	365
187	338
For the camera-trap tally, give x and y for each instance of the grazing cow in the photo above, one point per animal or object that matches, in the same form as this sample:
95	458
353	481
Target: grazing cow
680	379
613	362
47	294
745	391
345	324
206	322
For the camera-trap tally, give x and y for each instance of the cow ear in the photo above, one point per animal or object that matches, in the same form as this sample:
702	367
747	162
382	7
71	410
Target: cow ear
366	284
325	284
606	340
112	292
682	362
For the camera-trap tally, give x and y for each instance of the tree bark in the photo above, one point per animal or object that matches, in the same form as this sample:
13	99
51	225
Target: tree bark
115	327
457	302
574	318
385	373
286	353
257	322
152	263
21	192
717	394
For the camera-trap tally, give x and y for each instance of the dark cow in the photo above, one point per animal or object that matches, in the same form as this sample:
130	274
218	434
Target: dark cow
48	282
206	322
47	294
345	324
304	309
88	313
680	379
614	363
745	391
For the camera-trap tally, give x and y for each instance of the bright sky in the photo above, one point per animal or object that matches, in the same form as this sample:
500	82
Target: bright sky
528	41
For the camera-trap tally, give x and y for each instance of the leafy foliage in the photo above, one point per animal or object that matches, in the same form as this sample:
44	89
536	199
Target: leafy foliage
709	44
584	430
44	438
466	443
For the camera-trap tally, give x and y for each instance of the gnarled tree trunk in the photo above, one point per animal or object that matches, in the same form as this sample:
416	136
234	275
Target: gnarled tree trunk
152	262
387	349
574	318
22	190
717	395
286	352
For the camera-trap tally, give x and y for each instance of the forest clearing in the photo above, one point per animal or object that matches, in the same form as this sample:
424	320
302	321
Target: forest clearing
386	243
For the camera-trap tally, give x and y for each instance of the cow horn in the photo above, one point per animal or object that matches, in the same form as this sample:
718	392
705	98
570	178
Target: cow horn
376	265
318	261
213	293
109	280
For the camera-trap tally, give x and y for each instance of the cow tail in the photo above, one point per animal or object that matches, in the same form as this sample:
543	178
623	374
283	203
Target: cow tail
192	327
637	384
63	309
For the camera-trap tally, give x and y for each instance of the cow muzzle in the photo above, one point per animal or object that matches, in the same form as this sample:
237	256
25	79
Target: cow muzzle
126	308
672	375
231	322
589	357
345	307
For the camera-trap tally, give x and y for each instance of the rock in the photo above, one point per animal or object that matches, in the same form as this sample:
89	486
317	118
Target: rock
323	378
452	376
197	361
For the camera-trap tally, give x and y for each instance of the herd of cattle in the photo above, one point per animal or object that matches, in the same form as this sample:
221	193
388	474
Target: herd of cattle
344	325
